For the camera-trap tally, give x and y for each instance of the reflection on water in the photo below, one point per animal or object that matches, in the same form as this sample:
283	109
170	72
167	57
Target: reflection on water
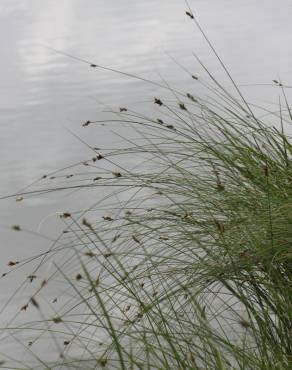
42	93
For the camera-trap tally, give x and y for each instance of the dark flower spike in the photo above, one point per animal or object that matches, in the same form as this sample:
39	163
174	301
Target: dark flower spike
16	227
158	101
189	14
182	106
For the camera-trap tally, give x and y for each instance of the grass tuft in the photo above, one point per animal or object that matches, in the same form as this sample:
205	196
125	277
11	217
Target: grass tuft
187	262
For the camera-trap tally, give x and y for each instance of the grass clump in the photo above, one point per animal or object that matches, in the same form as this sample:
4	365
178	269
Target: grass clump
187	264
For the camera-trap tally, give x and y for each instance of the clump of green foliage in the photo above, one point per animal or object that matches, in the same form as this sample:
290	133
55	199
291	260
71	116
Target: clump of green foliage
187	264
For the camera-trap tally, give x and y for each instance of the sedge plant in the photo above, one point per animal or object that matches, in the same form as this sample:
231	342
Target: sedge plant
186	263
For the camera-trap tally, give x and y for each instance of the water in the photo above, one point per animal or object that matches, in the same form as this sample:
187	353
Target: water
42	93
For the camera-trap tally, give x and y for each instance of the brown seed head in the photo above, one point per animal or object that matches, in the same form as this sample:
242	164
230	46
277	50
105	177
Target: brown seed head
12	263
107	255
57	320
34	302
99	156
182	106
158	101
116	174
245	324
65	215
16	227
89	254
136	239
189	14
107	218
171	127
31	277
24	307
86	223
191	97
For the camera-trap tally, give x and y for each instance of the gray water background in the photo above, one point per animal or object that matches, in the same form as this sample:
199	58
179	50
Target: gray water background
42	93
